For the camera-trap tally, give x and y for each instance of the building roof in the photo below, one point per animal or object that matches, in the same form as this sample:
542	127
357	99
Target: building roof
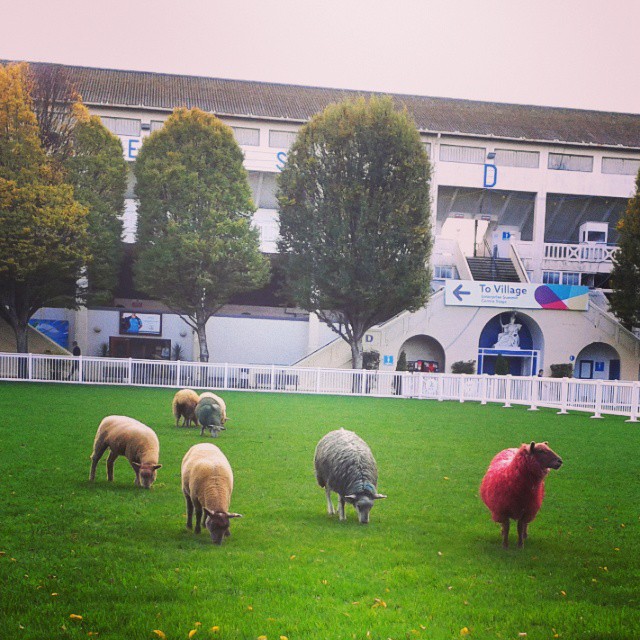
241	98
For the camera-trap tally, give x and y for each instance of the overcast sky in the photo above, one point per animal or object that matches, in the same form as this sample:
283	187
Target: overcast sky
569	53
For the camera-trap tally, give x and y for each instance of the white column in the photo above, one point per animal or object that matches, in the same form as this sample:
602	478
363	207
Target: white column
539	220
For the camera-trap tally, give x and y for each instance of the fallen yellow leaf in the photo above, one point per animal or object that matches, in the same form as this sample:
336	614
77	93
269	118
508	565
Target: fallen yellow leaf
215	629
160	634
192	633
74	616
262	637
284	638
54	594
464	631
197	624
250	608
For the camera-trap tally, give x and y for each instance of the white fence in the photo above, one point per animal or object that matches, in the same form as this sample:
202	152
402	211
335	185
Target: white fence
595	396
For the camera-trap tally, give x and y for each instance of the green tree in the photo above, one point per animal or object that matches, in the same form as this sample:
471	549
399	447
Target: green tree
355	218
43	230
196	244
502	366
98	172
625	275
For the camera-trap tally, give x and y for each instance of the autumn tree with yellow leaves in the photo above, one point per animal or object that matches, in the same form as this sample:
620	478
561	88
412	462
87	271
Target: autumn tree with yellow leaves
43	229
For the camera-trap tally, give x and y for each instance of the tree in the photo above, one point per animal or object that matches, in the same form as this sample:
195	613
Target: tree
196	244
625	275
355	218
43	230
502	367
98	172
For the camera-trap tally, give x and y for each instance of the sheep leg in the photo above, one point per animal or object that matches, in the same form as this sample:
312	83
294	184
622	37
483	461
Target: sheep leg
341	508
98	452
522	532
505	533
110	461
330	509
199	517
187	497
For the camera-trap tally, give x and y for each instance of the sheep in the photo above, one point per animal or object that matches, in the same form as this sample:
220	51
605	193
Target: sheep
344	464
207	484
127	437
184	406
211	413
513	487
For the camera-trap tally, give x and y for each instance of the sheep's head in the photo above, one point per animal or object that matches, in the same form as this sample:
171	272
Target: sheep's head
217	522
147	473
545	456
363	502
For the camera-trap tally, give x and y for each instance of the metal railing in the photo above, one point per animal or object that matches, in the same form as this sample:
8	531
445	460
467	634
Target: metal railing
594	396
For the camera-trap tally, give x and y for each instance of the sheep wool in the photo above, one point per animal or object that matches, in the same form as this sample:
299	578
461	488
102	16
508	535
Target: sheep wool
184	406
513	486
344	464
219	400
207	485
127	437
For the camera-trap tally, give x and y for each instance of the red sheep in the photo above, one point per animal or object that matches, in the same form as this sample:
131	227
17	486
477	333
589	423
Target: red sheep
513	487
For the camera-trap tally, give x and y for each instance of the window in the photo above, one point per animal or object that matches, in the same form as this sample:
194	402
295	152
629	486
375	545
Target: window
441	271
455	153
551	277
570	278
620	166
122	126
246	136
513	158
566	162
156	125
263	187
281	139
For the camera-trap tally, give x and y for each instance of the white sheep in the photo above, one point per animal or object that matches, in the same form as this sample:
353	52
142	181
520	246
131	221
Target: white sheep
127	437
184	406
207	484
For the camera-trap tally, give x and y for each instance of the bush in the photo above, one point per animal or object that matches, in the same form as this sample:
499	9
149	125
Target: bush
464	367
402	362
502	366
371	360
562	370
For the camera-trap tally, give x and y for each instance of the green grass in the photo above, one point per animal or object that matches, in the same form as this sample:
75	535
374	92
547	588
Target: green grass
431	559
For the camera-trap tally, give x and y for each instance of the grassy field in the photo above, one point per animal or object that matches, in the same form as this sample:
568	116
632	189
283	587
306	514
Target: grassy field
429	565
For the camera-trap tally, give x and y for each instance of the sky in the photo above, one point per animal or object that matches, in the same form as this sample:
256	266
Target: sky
568	53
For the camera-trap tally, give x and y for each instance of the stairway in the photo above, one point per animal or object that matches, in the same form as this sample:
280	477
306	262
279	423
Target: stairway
493	269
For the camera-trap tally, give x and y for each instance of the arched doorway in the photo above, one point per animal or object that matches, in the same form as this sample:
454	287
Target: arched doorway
514	336
598	361
424	353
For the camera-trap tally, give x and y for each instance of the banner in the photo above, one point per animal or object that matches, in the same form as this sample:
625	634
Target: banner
516	295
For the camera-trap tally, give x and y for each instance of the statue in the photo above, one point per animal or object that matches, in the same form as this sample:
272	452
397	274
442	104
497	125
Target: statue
509	338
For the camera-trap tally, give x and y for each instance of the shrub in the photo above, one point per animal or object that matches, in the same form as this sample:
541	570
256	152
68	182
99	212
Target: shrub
562	370
402	362
462	366
371	360
502	366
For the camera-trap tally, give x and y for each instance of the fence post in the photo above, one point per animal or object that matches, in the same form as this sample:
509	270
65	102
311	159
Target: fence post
461	380
80	369
130	371
534	394
273	374
635	401
483	388
30	366
317	380
598	413
178	373
507	392
440	387
225	382
564	392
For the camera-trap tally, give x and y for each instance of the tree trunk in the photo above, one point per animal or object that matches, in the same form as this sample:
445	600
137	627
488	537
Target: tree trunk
356	353
202	338
22	338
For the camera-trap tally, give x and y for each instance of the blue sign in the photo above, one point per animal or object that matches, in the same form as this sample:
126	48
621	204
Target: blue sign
506	235
56	330
599	366
282	160
490	176
387	359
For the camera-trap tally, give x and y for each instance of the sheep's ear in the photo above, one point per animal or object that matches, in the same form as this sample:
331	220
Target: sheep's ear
157	466
235	515
351	497
532	447
379	496
135	464
207	512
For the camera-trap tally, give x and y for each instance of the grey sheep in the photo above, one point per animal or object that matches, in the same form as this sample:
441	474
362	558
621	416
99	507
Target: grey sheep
344	464
210	414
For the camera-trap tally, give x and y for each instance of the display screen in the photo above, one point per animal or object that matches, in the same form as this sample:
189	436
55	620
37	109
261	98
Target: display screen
140	324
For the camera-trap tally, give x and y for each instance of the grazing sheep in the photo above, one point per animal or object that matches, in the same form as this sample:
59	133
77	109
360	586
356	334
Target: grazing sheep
219	400
344	464
513	487
211	414
207	484
184	406
127	437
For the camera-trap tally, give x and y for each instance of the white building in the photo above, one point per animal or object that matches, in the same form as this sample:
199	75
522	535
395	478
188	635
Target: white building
540	190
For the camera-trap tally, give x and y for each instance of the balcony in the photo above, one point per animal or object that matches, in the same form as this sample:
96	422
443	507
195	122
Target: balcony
560	256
